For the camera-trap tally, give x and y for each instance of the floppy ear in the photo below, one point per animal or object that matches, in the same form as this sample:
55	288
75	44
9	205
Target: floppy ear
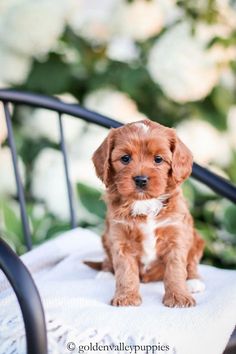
101	159
182	160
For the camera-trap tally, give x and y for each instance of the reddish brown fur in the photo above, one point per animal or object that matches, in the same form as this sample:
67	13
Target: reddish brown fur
178	247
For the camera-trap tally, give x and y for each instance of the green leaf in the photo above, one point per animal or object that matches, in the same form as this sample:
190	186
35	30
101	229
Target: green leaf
231	170
49	77
12	226
229	220
11	221
223	98
91	200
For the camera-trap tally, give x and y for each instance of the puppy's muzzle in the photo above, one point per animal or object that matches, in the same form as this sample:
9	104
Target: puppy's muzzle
141	181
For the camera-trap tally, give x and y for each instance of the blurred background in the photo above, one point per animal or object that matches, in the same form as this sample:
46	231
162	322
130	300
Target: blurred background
172	61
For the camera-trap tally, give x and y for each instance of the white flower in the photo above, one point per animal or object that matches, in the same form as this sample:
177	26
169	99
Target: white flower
99	21
227	12
231	121
227	79
141	19
5	5
82	170
206	33
221	55
7	177
33	27
182	66
49	183
171	12
207	144
81	151
44	123
93	20
14	67
122	49
114	104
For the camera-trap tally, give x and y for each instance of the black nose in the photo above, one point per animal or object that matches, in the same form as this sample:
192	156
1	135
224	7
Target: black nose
141	181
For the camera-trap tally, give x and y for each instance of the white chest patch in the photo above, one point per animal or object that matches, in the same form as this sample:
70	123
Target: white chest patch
150	207
149	241
150	238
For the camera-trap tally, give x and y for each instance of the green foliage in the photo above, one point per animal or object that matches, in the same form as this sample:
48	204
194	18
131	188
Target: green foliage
200	10
229	219
91	200
49	77
215	220
43	226
12	227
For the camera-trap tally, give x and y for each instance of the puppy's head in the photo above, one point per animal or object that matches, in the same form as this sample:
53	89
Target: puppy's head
142	160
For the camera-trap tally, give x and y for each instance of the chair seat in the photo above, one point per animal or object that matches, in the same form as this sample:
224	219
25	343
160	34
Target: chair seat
76	301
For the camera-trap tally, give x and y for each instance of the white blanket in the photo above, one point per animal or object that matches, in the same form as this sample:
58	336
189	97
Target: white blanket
76	301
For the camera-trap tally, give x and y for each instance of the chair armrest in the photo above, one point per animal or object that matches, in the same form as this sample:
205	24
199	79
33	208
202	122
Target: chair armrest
231	347
28	298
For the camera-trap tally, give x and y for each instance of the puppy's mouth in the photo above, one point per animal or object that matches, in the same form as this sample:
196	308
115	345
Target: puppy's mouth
141	190
141	193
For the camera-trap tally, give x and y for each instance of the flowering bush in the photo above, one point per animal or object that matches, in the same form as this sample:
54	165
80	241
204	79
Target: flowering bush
172	61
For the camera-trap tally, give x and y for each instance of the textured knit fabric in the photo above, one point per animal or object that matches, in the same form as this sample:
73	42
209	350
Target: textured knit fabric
76	301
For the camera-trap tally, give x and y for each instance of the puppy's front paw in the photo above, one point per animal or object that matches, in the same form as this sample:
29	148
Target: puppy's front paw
178	300
126	300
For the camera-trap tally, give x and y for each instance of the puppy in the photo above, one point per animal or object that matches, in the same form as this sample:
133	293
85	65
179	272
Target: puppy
149	233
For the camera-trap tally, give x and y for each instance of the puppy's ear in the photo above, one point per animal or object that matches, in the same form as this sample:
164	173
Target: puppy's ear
182	160
101	159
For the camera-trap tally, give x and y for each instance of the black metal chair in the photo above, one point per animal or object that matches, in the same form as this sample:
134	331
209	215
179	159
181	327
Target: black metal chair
17	274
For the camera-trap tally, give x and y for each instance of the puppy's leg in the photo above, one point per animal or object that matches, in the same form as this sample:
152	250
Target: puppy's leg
176	291
127	280
194	256
194	282
107	263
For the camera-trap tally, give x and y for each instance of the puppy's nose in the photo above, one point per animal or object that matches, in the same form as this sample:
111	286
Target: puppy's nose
141	181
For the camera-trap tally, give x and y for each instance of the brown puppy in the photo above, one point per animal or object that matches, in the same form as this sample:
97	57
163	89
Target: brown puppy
149	232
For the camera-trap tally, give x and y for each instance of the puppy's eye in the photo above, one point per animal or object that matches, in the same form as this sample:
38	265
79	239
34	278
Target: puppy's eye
125	159
158	159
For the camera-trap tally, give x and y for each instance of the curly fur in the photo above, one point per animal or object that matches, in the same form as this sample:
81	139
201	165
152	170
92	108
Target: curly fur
149	233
